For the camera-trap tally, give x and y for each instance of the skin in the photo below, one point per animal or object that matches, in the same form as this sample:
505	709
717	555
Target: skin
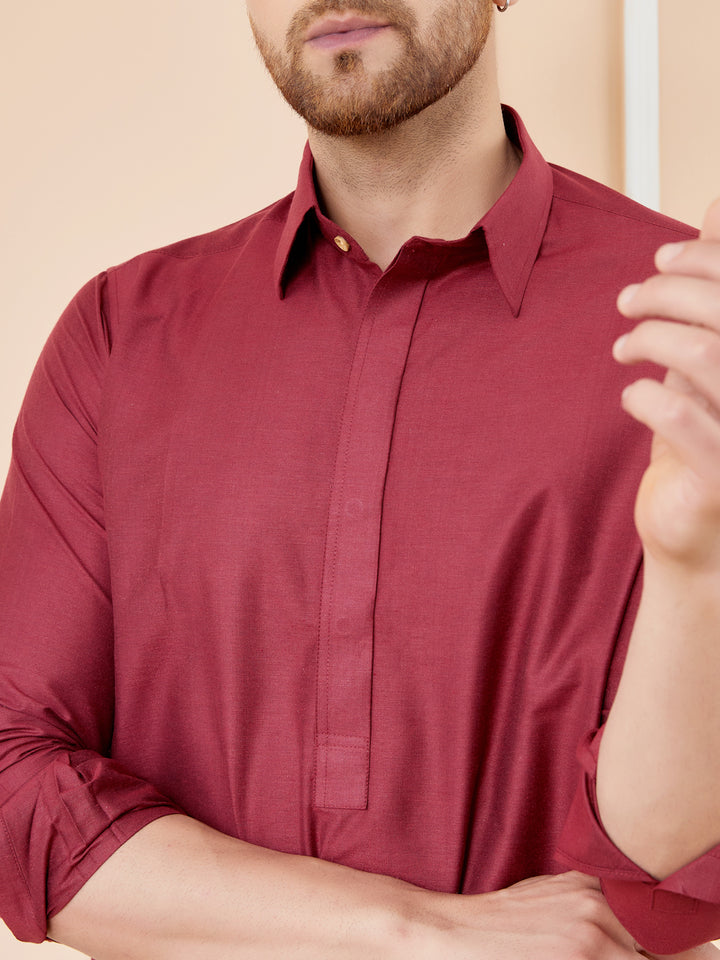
179	889
668	692
435	174
360	86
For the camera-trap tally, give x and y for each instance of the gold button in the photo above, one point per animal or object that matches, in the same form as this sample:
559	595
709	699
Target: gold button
342	244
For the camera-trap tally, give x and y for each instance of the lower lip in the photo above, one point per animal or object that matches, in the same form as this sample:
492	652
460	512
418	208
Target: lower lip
350	38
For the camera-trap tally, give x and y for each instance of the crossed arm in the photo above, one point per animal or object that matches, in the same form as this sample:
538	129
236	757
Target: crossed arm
179	889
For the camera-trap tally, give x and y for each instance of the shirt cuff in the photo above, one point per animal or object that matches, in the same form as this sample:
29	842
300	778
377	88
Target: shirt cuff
59	828
665	916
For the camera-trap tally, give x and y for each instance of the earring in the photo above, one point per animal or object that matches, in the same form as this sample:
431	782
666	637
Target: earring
504	7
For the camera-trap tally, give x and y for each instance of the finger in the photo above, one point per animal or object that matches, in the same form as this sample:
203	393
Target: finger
696	258
691	351
579	879
711	222
618	944
673	297
530	881
571	877
707	951
692	433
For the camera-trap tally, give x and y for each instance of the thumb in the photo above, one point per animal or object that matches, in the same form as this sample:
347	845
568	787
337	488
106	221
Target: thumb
711	222
705	952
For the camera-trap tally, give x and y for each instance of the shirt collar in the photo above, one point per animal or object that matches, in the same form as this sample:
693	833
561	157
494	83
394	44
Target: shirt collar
513	227
303	201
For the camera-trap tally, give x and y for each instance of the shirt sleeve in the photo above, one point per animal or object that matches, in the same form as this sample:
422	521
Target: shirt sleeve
65	806
667	916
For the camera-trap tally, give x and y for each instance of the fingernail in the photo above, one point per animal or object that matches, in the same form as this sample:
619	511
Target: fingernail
618	346
626	295
665	255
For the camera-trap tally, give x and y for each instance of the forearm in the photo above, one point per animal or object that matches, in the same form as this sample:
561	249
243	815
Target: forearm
659	762
179	889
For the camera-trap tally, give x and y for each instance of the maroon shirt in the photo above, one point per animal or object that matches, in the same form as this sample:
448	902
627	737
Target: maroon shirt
340	562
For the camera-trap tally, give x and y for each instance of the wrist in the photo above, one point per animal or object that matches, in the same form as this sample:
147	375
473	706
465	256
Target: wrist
419	924
678	546
674	586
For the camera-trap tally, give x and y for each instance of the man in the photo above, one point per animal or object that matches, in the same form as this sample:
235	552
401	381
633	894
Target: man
318	560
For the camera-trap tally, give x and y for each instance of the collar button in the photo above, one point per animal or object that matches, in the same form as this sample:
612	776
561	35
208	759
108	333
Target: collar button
342	244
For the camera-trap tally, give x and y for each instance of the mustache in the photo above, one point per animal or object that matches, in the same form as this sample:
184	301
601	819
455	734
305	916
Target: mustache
395	12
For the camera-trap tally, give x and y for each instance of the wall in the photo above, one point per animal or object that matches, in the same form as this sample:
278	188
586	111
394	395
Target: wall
689	85
127	126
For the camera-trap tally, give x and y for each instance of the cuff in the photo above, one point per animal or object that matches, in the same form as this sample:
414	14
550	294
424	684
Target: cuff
59	828
665	916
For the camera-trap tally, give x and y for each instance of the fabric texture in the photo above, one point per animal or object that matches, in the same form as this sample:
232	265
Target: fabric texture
340	562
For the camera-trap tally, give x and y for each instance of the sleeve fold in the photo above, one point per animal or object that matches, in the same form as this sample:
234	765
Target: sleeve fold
59	828
65	805
665	916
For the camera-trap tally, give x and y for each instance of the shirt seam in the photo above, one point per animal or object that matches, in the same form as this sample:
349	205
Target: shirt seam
222	248
626	216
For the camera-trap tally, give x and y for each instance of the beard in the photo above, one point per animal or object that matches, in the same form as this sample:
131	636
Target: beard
351	101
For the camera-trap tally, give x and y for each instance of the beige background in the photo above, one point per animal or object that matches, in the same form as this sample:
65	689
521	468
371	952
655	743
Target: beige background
126	126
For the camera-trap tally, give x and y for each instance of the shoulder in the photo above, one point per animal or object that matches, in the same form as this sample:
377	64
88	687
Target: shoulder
586	202
257	231
228	238
177	279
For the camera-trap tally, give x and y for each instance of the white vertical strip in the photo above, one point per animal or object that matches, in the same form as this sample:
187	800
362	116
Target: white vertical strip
642	101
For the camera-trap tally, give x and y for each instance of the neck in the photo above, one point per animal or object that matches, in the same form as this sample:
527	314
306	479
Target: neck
433	176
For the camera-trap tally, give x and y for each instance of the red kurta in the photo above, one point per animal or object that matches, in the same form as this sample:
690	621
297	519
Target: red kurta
340	562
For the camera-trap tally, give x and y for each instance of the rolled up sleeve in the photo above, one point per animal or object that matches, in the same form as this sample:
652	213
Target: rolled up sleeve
65	805
665	916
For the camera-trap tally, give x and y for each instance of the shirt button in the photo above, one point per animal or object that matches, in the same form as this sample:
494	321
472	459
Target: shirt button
342	244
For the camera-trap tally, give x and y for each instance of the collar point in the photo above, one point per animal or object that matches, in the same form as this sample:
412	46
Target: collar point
280	288
515	301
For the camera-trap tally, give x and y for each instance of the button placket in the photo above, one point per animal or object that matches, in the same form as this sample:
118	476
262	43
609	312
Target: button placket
345	652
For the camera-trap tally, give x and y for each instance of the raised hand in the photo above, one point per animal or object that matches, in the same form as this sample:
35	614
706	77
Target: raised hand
678	505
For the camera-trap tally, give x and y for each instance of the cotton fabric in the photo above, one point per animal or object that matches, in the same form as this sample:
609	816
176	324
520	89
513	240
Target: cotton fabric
340	562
